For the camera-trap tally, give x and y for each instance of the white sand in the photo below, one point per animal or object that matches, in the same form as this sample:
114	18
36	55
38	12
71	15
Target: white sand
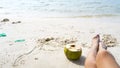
50	54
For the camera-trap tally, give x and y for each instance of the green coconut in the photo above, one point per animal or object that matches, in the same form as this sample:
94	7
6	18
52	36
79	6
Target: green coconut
72	52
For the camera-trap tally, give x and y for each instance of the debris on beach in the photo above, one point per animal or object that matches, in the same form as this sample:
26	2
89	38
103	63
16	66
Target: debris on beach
56	42
5	20
49	39
44	40
109	40
20	40
36	58
68	40
16	22
3	35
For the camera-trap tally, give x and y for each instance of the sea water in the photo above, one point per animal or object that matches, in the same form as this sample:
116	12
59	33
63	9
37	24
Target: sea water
60	8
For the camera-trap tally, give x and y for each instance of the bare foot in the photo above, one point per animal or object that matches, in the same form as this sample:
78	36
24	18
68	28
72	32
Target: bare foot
91	58
102	46
95	42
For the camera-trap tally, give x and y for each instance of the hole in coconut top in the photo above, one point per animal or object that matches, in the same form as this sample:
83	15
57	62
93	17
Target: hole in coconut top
72	45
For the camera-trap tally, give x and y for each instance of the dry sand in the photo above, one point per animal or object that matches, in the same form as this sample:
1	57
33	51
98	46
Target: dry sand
43	40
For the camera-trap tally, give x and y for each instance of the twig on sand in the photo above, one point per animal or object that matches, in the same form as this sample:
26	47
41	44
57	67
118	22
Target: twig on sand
21	56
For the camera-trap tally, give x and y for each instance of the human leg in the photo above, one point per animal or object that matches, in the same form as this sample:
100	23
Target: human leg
90	61
104	59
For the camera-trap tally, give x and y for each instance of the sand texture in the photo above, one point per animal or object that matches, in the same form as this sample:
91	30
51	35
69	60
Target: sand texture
39	42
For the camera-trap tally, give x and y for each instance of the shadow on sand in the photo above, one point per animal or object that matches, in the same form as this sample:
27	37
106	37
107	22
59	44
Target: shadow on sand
79	61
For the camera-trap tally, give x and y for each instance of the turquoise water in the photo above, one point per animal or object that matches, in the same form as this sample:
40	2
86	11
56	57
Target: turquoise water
60	7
